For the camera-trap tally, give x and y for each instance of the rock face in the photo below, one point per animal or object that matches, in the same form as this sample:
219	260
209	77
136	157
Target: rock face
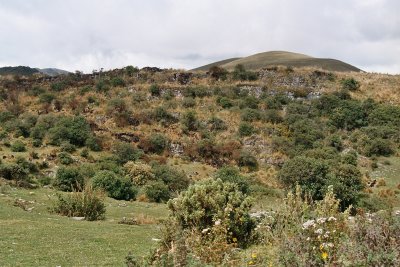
127	137
182	77
176	149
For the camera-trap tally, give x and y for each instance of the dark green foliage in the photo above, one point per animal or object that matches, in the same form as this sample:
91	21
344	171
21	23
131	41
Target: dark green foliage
130	70
224	102
18	146
14	172
250	115
196	91
116	187
379	147
272	116
102	86
158	143
46	98
69	179
189	121
67	147
44	123
246	159
310	174
125	152
216	124
240	73
6	116
249	102
350	84
155	90
385	115
117	81
350	158
188	102
93	143
326	103
175	180
232	175
65	158
162	115
305	132
84	153
349	115
58	86
76	130
157	192
209	201
246	129
218	73
119	110
276	101
347	184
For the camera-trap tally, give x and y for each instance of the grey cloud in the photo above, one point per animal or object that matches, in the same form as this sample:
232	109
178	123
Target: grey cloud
90	34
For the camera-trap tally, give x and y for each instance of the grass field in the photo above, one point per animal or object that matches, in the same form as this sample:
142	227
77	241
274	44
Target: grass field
38	238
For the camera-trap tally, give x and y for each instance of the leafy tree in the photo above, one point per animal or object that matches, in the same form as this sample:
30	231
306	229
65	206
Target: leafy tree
116	187
157	191
125	152
69	179
175	180
76	130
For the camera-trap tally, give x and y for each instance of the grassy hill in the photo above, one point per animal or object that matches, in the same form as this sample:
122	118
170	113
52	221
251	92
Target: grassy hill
283	58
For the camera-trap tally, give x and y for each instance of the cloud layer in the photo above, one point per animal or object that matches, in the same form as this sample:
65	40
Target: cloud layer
88	34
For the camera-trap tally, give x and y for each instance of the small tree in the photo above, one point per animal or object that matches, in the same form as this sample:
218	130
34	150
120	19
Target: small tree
116	187
69	179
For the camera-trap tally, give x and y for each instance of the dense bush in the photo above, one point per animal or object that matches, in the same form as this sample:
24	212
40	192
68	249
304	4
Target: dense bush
119	110
69	179
88	203
18	146
218	73
216	124
224	102
246	159
350	84
190	121
246	129
46	98
75	130
65	158
58	86
240	73
176	180
117	81
158	143
102	86
188	102
250	115
139	173
155	90
211	203
232	175
157	191
116	187
125	152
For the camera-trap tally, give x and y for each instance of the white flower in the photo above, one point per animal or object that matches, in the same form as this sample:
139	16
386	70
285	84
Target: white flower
321	220
331	219
308	224
205	230
318	231
218	222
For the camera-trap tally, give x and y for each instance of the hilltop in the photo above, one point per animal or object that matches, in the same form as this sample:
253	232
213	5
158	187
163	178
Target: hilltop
282	58
28	71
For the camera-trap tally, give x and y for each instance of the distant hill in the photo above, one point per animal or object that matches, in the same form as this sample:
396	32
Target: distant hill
218	63
27	71
283	58
20	70
53	71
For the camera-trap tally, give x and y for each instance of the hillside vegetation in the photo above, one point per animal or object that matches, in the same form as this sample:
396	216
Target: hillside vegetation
231	167
283	58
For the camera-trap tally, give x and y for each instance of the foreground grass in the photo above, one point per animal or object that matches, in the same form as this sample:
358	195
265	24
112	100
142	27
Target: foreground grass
38	238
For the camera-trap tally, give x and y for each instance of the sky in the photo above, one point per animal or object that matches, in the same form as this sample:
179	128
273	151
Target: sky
89	34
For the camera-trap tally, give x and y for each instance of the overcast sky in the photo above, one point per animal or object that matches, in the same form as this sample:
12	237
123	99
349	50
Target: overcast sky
86	35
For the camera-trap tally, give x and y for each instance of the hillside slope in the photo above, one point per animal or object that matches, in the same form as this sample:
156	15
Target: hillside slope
284	58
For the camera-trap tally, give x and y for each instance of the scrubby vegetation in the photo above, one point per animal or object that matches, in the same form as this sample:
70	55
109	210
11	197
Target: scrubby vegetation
222	148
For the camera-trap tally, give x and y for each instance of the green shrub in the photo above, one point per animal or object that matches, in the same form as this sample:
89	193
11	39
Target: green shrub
75	130
189	121
93	143
250	115
58	86
212	203
350	84
379	147
188	102
69	179
139	173
246	129
240	73
249	102
349	115
247	160
175	180
88	203
117	81
84	153
385	115
46	98
218	73
36	91
18	146
130	70
232	175
116	187
157	192
14	172
67	147
102	86
125	152
224	102
216	124
65	158
158	143
272	116
155	90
